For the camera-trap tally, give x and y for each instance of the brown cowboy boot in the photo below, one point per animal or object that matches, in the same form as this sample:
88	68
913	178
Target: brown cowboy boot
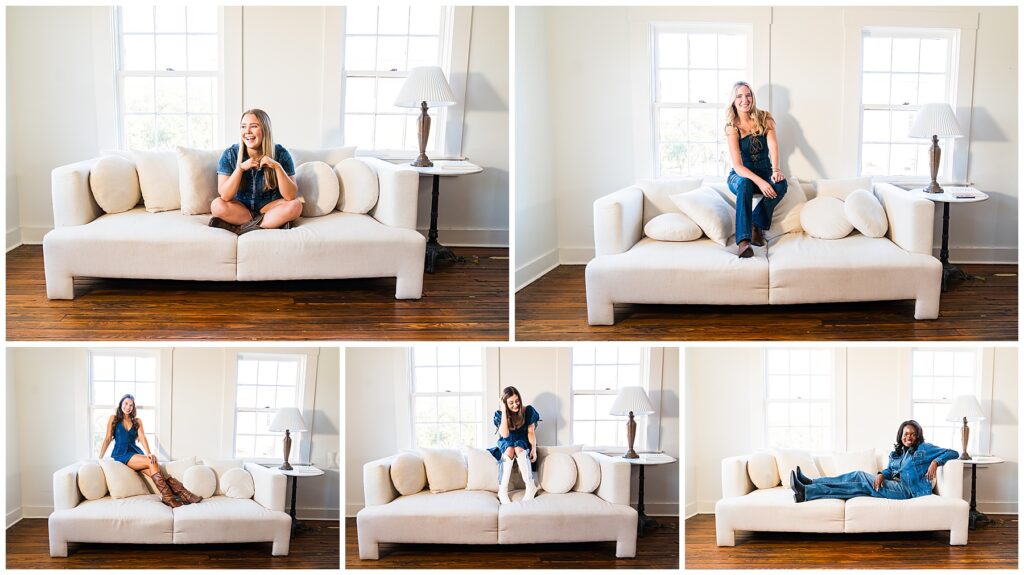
166	495
186	496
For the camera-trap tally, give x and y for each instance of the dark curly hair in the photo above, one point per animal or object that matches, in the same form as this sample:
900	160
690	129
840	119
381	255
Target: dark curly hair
898	447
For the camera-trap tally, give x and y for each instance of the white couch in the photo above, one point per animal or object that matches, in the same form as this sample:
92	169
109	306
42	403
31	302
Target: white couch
794	267
744	507
476	517
86	242
145	519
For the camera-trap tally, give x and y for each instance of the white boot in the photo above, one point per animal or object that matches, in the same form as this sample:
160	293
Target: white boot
505	472
524	468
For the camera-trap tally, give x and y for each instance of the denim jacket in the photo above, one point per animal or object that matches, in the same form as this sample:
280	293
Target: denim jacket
912	474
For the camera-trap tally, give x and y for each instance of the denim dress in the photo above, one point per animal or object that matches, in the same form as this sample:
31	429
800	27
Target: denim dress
754	154
124	443
250	190
518	437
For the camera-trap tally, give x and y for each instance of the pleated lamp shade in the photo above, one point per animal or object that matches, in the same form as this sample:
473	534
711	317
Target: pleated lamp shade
288	418
632	398
965	406
425	84
935	119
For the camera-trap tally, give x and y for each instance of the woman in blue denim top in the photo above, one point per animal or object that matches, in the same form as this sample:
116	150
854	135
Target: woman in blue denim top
254	182
754	150
913	465
517	442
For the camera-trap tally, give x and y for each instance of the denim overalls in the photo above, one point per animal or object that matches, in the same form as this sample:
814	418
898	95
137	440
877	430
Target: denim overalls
754	153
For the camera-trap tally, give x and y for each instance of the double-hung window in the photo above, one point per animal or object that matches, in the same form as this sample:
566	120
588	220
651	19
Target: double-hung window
168	71
596	376
448	396
799	399
112	375
266	382
938	377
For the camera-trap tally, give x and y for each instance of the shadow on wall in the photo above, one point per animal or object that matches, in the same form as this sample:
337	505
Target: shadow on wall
790	134
548	406
984	128
481	92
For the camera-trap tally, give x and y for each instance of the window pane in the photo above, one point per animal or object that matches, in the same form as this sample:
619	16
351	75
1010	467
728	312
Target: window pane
170	19
425	380
387	92
778	414
944	363
876	125
246	423
285	397
583	432
202	18
800	387
448	379
629	375
245	446
799	361
425	408
944	388
448	355
904	89
672	159
932	88
266	397
821	362
703	86
390	134
170	95
903	159
820	414
393	20
875	159
424	52
266	446
136	18
470	355
138	94
287	373
876	88
606	377
703	159
391	53
583	377
672	50
672	124
145	394
138	52
124	368
933	55
471	379
778	361
583	407
425	19
360	94
123	387
963	363
583	355
732	51
448	409
905	54
424	355
102	367
358	130
778	387
607	432
360	19
923	362
170	52
360	53
470	408
202	52
171	131
901	123
604	406
877	54
963	386
200	131
923	388
703	125
703	50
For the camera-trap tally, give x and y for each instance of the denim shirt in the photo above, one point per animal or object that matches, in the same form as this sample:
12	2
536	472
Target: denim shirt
250	190
911	470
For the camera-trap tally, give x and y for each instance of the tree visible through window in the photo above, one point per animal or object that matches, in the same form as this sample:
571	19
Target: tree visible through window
112	374
448	396
799	398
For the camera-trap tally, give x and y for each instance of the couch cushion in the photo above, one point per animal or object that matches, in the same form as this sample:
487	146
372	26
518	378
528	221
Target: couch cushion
446	469
825	218
763	470
588	472
705	206
197	177
563	517
931	512
318	187
115	184
657	194
775	510
467	517
839	463
220	468
338	245
138	244
225	520
558	474
866	213
855	268
673	228
329	156
482	469
201	480
91	481
359	186
841	188
158	179
237	484
408	474
788	460
140	519
122	481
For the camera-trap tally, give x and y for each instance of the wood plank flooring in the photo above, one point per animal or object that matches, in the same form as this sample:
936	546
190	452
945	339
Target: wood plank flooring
461	301
658	549
984	309
990	546
315	548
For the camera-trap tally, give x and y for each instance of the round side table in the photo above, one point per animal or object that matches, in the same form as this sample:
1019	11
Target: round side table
445	168
295	473
945	198
645	459
977	516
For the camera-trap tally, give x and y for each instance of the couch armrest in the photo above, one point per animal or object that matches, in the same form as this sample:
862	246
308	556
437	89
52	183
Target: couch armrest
735	479
73	203
615	476
911	218
618	221
270	486
950	479
377	486
65	487
399	193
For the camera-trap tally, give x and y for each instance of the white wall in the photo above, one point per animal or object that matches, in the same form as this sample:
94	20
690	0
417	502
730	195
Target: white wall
52	377
13	461
719	379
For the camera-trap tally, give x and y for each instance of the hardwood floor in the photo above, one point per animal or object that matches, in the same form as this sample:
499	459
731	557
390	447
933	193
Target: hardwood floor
658	549
990	546
314	548
461	301
984	309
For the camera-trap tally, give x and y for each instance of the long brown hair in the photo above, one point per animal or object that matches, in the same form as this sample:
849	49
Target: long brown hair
760	120
515	420
269	175
119	415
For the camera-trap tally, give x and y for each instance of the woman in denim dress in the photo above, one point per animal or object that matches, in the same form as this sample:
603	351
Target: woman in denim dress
912	467
255	181
754	150
517	442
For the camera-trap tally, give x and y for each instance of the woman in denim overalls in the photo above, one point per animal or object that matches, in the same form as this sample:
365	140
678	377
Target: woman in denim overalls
517	442
912	467
754	151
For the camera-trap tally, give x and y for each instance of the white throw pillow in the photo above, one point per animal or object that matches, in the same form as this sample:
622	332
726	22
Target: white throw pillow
359	187
588	472
158	179
558	473
841	188
709	211
408	474
115	184
91	481
763	471
658	194
786	217
865	212
446	469
122	481
329	156
197	176
825	218
318	185
482	469
201	480
789	459
855	461
222	467
237	484
178	467
673	227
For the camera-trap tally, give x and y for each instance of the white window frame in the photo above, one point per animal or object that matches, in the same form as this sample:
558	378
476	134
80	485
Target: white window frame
120	74
483	435
306	401
447	122
855	20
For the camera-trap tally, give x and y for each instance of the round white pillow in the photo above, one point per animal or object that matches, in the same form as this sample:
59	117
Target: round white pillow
588	472
115	184
237	483
91	481
408	474
318	185
763	471
824	218
672	227
865	212
558	474
359	186
201	480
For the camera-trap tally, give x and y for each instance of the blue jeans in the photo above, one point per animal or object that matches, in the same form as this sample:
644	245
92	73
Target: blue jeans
761	216
855	484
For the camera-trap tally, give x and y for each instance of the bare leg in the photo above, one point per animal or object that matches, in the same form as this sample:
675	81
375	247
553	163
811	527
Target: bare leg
231	212
279	212
143	464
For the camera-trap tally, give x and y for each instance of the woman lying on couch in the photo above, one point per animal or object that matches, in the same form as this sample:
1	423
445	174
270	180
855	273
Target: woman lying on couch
912	467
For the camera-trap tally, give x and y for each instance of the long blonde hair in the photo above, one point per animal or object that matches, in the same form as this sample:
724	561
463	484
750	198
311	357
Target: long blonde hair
269	176
760	120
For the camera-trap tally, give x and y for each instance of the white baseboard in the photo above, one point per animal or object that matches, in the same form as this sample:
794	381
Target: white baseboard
981	255
352	508
535	269
33	235
37	512
691	509
313	513
13	517
479	238
13	239
662	509
575	256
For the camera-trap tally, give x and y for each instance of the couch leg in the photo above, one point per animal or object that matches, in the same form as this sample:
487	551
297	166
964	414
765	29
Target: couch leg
600	313
281	545
625	547
409	286
958	531
368	550
59	286
726	537
927	305
58	548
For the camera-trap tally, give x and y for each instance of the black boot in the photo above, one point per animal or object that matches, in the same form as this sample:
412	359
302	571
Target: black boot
216	222
802	478
799	494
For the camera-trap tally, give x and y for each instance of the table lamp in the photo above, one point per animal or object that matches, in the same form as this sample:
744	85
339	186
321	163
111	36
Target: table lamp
426	87
287	419
935	121
631	400
968	408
